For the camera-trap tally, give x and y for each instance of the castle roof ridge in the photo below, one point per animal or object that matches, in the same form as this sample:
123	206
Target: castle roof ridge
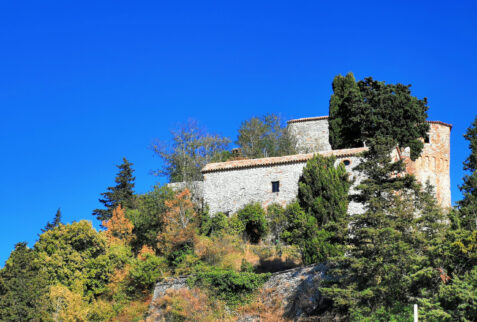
317	118
288	159
307	119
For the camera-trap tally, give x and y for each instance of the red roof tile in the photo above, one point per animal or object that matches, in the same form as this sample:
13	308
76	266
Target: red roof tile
263	162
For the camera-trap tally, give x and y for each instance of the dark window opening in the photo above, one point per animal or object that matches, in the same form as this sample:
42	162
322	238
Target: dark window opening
346	162
427	139
275	186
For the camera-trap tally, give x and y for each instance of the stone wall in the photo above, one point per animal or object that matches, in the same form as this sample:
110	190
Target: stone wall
230	189
433	164
195	187
311	134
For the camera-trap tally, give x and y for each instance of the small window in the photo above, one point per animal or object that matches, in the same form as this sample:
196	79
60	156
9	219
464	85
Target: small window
427	139
275	186
346	162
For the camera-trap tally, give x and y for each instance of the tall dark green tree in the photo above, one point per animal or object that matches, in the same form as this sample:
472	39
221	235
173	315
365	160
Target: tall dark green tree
323	190
387	257
370	109
468	205
120	194
56	222
317	222
346	109
23	287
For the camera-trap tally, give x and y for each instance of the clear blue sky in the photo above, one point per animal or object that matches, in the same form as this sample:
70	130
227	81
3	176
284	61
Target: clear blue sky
84	84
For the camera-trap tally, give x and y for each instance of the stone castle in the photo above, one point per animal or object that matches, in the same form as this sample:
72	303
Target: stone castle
228	186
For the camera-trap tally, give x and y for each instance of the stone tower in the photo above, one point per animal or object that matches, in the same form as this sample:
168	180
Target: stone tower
312	135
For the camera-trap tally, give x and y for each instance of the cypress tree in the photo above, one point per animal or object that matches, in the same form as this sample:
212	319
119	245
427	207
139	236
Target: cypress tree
121	194
345	113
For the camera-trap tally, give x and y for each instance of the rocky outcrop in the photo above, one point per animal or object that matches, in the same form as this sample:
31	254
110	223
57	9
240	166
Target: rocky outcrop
296	288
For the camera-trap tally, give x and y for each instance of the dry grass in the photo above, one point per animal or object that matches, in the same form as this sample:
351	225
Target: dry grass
267	307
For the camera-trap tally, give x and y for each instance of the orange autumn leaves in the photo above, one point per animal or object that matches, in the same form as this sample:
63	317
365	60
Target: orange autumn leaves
180	223
118	228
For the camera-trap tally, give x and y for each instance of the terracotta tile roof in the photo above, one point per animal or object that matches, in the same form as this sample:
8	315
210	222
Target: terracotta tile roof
441	123
306	119
317	118
263	162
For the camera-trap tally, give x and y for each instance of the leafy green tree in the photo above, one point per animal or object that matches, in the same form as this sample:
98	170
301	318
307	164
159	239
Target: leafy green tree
145	272
253	222
76	252
121	194
56	222
468	205
23	287
376	110
265	136
214	226
387	259
148	217
190	150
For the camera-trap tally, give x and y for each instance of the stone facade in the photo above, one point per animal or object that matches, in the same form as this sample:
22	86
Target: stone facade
228	186
311	134
433	164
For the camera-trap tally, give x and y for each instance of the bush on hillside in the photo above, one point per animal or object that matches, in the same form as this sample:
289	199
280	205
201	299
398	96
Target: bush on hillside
253	223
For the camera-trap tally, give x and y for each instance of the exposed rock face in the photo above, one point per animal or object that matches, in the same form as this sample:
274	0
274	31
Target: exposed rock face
297	288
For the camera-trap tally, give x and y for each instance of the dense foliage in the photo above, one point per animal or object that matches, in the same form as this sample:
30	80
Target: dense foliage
229	285
371	109
252	222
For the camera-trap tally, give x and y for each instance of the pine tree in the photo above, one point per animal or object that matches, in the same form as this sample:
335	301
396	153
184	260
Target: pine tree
468	205
56	222
121	194
23	287
388	245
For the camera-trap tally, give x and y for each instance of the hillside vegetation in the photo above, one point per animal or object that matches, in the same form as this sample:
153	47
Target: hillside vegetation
403	250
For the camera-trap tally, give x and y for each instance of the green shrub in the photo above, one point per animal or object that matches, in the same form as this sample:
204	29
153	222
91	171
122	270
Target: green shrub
146	272
302	230
254	224
228	285
215	226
